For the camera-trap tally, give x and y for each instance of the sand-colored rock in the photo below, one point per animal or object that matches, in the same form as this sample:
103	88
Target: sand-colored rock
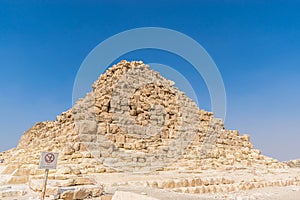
17	180
293	163
67	195
120	195
84	181
134	120
81	193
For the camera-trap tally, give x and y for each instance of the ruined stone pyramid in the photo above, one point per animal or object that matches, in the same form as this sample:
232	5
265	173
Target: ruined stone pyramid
132	120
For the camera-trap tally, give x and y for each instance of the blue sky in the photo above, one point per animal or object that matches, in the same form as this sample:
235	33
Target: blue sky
255	45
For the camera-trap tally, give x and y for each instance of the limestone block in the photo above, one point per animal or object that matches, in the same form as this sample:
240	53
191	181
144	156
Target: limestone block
245	137
99	169
12	194
21	172
120	195
76	146
106	197
87	127
36	184
153	184
77	155
67	195
129	146
169	184
10	169
81	193
120	138
65	183
64	170
17	180
76	171
84	181
95	191
86	155
68	150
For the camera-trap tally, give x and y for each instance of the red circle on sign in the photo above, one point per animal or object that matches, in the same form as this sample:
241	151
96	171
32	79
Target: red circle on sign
49	157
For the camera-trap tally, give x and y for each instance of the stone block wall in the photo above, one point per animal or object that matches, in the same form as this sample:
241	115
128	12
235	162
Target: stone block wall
134	120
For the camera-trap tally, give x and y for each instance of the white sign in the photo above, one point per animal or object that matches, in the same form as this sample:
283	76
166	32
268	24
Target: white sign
48	160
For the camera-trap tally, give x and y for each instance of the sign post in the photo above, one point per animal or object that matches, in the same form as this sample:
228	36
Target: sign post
48	161
44	184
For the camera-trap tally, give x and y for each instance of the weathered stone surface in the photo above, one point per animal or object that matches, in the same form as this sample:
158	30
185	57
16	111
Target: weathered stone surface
135	120
84	181
36	184
120	195
65	183
12	193
293	163
81	193
17	180
67	195
106	197
9	169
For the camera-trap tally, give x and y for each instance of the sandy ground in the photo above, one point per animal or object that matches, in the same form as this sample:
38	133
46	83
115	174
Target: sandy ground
134	183
272	193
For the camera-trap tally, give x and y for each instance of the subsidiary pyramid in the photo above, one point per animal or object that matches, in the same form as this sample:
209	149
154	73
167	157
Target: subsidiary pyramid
133	120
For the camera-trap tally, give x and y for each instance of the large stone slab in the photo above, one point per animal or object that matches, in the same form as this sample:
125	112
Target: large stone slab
120	195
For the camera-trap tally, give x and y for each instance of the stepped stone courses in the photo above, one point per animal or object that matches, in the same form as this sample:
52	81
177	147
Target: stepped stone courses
293	163
133	120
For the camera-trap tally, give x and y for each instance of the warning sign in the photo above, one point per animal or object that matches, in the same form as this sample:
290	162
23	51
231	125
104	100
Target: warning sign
48	160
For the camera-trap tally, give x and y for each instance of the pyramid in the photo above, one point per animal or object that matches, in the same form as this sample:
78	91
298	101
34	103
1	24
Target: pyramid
133	120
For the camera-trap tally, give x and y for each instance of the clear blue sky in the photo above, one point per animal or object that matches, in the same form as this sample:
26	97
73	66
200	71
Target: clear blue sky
255	45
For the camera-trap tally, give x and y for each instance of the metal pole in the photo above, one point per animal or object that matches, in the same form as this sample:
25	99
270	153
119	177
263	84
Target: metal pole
45	184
